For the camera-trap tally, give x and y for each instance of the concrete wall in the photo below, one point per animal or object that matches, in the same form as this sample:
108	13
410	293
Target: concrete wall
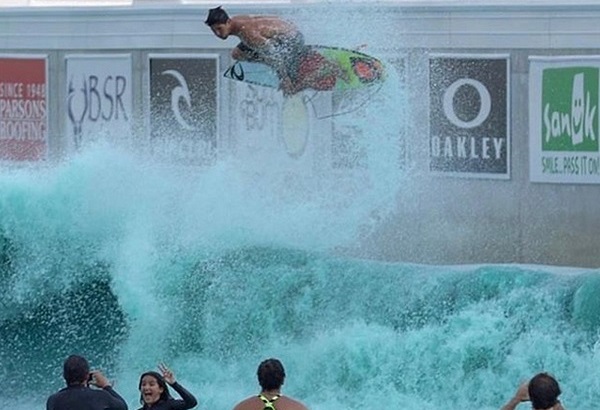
442	219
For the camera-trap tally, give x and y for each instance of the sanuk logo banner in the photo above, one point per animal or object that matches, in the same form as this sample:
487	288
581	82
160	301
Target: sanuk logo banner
570	109
564	125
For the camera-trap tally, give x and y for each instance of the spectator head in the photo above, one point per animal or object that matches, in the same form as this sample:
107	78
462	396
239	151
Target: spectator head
153	388
76	370
543	391
270	374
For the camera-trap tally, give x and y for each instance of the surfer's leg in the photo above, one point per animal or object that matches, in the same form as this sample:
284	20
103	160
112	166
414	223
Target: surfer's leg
288	51
318	73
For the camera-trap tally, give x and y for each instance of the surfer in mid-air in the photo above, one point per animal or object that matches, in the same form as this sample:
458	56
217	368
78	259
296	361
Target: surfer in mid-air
280	45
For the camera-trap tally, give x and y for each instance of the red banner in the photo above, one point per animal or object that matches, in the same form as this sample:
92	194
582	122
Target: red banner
23	109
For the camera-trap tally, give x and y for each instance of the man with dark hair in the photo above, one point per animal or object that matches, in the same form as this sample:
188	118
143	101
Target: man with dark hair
271	376
542	390
78	395
279	44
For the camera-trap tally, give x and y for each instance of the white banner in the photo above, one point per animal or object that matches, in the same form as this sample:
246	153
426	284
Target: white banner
281	132
99	98
563	119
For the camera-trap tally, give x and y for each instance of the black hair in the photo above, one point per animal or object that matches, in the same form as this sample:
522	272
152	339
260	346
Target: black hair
165	395
543	391
216	16
76	370
271	374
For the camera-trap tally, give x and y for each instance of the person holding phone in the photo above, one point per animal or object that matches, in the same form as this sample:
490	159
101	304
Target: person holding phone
78	394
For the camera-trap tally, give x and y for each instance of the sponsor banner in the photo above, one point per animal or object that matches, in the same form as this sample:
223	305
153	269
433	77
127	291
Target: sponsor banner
23	108
563	119
183	106
256	115
469	130
265	125
99	97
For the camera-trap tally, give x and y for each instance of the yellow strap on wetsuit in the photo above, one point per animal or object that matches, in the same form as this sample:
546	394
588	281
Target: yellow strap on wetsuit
269	404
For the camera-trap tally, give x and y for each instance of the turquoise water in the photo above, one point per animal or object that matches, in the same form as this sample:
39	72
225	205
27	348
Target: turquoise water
132	263
211	270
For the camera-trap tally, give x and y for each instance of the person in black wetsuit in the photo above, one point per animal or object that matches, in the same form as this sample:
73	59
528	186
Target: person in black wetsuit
78	395
154	392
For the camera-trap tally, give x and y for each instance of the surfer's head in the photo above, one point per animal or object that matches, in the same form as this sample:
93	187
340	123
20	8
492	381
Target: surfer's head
218	21
270	374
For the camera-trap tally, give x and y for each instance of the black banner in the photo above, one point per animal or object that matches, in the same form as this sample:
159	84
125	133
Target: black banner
183	106
468	117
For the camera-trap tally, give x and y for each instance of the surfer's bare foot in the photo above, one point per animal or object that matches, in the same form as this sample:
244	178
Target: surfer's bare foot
287	87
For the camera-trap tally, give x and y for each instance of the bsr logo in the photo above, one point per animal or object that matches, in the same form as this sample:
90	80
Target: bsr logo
98	98
577	124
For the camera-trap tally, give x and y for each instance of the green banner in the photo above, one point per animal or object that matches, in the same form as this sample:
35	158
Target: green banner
570	109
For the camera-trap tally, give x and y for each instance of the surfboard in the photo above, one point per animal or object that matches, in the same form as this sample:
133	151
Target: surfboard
360	69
